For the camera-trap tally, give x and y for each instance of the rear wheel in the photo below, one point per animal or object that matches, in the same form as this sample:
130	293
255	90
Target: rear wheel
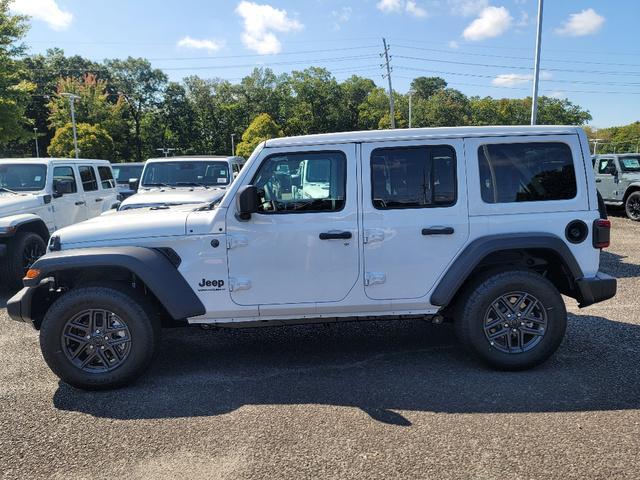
512	320
632	206
22	251
97	338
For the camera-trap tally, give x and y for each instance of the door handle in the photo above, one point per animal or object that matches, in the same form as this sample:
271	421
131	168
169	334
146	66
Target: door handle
335	235
438	231
98	199
598	180
81	203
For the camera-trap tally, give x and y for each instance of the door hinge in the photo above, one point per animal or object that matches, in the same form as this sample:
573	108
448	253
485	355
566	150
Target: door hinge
236	284
374	278
373	235
234	241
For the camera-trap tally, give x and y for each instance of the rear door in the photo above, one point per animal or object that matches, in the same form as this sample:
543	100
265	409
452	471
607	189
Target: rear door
414	215
606	182
108	191
69	208
92	194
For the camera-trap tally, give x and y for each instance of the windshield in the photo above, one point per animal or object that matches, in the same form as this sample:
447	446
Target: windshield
630	164
122	173
23	177
181	174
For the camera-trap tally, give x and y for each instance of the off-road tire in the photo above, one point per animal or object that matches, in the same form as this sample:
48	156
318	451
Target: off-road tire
13	266
631	206
475	301
144	331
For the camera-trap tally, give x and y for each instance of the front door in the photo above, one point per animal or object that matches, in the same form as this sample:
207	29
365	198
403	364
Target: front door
92	194
302	245
415	217
606	181
71	207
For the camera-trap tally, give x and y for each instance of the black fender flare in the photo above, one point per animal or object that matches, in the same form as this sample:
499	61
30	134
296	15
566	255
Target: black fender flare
464	265
156	268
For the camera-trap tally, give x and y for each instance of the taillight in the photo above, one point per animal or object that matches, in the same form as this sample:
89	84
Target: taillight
601	233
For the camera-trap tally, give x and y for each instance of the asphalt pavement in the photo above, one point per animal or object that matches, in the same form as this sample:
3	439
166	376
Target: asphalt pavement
393	399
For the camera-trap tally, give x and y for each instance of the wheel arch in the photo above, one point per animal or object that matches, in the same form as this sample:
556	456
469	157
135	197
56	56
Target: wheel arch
151	271
26	223
541	252
634	187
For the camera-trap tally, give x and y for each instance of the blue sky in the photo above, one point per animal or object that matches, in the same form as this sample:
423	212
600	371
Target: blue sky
482	47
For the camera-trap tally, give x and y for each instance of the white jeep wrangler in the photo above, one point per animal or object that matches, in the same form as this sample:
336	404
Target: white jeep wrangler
486	227
38	196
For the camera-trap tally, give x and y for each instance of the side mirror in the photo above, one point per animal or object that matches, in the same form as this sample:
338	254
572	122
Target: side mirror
62	187
115	206
134	183
611	169
247	202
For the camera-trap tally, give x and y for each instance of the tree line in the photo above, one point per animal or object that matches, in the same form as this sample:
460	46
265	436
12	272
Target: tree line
127	109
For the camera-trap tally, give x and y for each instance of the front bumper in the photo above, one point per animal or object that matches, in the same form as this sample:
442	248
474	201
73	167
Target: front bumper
19	306
596	289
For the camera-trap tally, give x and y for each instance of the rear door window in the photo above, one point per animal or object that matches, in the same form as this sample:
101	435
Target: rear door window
413	177
88	178
65	174
526	172
106	177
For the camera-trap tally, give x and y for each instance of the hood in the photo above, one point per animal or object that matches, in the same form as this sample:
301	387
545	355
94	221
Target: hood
137	223
11	203
172	196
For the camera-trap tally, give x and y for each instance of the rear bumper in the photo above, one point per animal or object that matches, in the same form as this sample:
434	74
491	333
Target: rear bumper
19	306
596	289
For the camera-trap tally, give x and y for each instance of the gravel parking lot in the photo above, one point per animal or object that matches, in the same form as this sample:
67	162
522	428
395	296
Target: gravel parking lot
371	400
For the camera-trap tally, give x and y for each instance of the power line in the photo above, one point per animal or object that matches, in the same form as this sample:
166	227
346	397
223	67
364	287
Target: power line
300	52
514	67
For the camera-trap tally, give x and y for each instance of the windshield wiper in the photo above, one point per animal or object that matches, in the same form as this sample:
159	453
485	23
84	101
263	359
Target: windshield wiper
158	185
5	189
192	184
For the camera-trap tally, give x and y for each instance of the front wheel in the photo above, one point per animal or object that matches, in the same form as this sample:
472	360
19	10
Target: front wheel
98	338
632	206
23	250
512	320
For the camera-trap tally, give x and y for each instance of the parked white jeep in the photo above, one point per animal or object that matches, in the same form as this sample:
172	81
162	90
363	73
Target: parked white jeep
618	181
486	227
183	180
38	196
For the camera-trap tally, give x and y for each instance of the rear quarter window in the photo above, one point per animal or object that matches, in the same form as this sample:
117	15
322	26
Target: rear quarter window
526	172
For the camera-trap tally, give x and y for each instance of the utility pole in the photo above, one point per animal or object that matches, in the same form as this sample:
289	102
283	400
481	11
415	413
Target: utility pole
233	144
165	151
35	134
536	68
411	92
72	99
388	76
595	145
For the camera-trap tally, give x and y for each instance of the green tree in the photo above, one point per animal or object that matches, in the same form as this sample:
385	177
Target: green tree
93	142
427	86
141	86
15	90
445	108
373	109
355	91
262	128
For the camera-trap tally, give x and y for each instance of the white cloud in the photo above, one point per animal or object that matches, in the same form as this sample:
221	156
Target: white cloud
467	8
45	10
514	79
341	16
414	9
579	24
260	21
388	6
398	6
201	44
492	22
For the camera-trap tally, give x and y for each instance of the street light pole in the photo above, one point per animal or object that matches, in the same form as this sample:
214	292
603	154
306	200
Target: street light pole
35	133
72	98
536	68
411	92
233	144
